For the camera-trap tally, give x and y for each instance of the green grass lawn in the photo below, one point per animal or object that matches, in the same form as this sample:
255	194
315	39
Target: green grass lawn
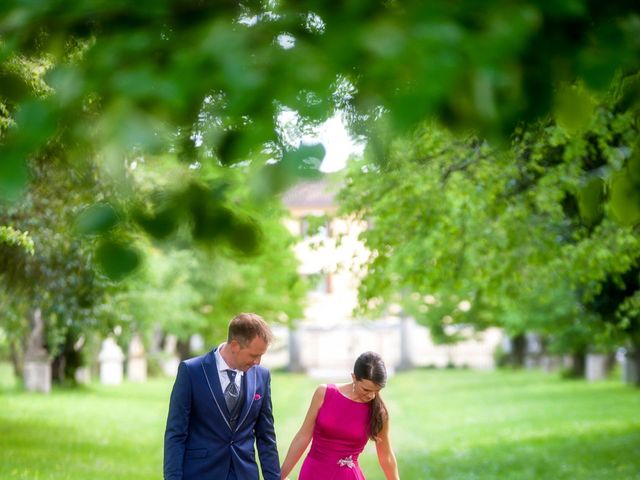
445	425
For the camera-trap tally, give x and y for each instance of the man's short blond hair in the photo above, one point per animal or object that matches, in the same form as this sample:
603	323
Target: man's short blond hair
246	326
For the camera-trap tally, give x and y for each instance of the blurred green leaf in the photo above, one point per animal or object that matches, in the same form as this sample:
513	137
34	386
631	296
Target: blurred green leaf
232	148
127	128
590	200
13	86
13	175
574	108
211	220
625	199
612	48
245	237
304	161
67	82
35	123
633	165
629	96
97	219
159	223
116	259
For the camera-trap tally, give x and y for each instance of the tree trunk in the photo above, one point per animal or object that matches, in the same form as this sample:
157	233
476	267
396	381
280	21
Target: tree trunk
611	362
518	350
183	350
157	340
578	368
57	369
66	363
17	358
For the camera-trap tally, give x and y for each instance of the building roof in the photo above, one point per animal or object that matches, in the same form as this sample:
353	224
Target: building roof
310	194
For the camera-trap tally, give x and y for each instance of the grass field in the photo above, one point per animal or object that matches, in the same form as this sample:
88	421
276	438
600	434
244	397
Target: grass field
445	425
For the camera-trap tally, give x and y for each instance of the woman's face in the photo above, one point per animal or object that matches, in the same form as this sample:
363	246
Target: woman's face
365	390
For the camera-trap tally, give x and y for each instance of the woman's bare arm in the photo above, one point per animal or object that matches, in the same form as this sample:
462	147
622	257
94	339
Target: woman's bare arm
301	440
386	457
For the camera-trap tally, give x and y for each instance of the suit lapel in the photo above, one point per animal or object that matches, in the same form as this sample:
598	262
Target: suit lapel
210	369
250	393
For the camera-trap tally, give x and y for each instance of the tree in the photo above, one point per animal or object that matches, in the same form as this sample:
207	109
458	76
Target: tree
187	280
57	275
147	70
526	240
204	87
88	232
200	282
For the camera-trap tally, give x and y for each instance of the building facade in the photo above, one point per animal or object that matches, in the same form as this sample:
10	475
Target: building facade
329	337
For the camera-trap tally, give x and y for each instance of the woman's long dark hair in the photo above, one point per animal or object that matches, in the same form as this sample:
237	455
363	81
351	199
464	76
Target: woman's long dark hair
369	366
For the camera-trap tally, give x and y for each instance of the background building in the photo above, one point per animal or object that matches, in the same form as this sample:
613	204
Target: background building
328	339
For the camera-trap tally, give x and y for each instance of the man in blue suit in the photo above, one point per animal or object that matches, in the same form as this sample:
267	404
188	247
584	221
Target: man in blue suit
220	406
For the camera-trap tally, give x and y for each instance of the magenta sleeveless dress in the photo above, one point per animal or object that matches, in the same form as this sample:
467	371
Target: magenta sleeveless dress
339	436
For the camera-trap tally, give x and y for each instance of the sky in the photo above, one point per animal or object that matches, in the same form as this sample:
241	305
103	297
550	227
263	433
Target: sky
333	135
338	144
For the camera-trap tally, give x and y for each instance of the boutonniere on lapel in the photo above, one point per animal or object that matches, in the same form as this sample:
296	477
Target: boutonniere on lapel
257	397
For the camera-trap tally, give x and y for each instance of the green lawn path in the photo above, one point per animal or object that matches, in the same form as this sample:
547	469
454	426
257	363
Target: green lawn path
446	425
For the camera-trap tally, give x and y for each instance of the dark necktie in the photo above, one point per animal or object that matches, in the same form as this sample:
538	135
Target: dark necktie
231	393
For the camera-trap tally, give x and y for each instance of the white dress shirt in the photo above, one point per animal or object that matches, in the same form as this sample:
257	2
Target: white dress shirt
222	370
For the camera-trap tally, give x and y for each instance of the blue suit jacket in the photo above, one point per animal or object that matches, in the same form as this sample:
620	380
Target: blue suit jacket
199	442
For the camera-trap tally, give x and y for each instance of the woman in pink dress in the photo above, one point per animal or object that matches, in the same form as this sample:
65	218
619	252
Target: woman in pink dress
340	421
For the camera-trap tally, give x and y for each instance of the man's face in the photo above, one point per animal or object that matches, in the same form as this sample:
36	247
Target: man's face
249	355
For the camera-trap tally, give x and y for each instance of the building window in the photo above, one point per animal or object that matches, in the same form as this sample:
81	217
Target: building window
320	283
315	225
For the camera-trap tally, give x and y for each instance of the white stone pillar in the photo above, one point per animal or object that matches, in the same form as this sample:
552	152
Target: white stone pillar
295	361
630	372
406	345
137	361
83	375
596	368
111	361
37	363
37	375
170	359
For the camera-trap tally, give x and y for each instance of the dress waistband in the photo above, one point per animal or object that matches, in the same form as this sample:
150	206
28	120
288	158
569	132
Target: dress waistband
349	461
